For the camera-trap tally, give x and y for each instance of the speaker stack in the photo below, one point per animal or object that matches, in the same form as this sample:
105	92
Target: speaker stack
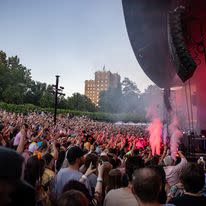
185	65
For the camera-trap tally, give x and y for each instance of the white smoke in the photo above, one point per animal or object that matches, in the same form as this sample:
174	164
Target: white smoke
175	136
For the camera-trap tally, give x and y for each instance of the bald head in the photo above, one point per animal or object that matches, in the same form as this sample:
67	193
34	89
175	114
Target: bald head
146	185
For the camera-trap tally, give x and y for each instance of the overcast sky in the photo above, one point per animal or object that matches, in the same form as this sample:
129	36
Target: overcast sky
72	38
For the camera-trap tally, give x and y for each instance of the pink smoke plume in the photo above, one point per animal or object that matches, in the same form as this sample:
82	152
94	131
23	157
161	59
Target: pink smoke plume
175	136
155	131
164	134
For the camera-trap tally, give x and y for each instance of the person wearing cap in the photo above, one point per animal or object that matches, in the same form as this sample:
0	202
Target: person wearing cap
74	157
172	171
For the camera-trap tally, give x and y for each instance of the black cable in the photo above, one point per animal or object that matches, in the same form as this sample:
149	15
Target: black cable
188	113
192	119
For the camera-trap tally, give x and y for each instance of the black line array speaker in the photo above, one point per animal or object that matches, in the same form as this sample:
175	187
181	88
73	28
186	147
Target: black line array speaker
185	65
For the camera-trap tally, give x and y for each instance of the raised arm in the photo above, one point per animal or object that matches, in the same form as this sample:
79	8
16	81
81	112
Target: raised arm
21	145
55	150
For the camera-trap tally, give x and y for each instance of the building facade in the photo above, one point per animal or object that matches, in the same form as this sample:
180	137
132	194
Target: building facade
102	82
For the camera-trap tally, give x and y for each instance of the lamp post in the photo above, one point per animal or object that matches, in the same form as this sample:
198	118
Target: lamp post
57	92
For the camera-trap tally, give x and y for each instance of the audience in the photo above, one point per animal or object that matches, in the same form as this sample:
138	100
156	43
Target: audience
73	198
193	180
13	189
114	180
124	195
79	161
146	186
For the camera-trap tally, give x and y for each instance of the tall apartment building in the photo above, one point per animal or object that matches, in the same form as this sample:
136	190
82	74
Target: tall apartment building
102	82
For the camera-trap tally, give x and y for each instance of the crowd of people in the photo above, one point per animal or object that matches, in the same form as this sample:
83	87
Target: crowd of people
81	162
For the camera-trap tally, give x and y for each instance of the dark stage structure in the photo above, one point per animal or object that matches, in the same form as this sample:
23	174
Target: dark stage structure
169	41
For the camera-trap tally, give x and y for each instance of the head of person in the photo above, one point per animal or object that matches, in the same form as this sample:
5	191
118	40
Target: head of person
91	158
132	164
168	161
103	158
193	178
146	185
87	146
60	160
26	127
92	148
114	180
160	170
49	160
75	156
11	167
154	160
76	185
34	170
73	198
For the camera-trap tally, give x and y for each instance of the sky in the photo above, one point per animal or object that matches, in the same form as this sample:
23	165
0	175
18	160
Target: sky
71	38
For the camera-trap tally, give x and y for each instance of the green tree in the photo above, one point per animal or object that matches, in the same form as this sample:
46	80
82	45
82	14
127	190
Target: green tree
62	103
110	100
34	92
129	88
130	97
47	98
80	102
14	79
4	73
3	58
12	94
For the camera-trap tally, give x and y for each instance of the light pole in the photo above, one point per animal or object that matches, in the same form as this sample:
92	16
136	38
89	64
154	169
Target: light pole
57	91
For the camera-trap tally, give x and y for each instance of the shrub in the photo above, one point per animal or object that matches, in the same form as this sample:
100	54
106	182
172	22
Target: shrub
99	116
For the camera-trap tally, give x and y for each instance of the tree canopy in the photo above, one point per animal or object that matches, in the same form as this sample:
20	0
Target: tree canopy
17	86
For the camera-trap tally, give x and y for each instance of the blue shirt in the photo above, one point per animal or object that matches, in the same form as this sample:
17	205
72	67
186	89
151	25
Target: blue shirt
64	176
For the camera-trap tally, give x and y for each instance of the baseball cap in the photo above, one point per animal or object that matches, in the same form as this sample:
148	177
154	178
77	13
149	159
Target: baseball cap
74	152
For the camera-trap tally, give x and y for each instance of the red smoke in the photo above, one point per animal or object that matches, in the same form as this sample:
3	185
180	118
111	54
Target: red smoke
155	131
